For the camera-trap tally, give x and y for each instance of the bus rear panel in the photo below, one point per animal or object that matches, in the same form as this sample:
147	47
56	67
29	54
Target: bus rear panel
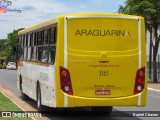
103	61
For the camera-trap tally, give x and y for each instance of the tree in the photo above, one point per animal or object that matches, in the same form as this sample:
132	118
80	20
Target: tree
7	45
12	41
3	44
121	9
150	10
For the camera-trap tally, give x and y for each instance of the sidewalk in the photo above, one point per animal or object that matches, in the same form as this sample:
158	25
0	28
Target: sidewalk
19	102
154	85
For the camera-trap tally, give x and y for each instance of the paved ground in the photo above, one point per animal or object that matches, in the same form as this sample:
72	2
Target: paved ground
8	81
154	85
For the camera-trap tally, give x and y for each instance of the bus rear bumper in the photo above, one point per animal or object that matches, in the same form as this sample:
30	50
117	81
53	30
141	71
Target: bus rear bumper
134	100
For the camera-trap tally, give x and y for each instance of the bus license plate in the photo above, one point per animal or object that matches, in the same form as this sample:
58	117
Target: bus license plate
103	92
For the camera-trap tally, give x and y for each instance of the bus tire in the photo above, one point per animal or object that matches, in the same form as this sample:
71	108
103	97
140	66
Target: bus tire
23	95
102	110
39	105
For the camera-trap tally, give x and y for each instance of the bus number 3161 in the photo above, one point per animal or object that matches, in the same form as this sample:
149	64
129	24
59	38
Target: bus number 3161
103	73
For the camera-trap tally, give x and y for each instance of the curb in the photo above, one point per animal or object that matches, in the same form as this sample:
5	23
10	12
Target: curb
19	102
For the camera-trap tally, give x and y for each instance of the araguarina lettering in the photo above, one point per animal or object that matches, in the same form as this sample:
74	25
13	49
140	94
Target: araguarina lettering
102	33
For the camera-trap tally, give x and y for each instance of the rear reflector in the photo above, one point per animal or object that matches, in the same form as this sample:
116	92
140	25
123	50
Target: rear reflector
139	81
65	80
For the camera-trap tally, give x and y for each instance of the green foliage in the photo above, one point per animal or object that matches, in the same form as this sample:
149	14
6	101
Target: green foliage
143	8
4	66
0	66
7	45
150	10
3	44
7	105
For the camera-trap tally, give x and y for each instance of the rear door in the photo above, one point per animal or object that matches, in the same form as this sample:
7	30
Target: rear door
102	56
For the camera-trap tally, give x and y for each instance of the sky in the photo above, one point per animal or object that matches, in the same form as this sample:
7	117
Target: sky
37	11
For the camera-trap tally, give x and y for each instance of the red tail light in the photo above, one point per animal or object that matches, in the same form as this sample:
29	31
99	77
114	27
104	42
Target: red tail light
139	81
65	80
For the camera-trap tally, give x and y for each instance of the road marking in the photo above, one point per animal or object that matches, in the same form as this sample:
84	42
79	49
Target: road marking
153	89
154	96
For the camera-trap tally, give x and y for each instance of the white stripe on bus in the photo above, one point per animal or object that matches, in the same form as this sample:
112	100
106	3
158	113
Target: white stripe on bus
120	17
140	56
65	57
54	84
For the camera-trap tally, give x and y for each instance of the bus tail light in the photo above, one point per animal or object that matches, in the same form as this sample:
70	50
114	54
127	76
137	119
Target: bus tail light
139	81
65	80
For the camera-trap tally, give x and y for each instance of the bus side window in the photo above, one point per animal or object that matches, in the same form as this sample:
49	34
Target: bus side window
35	38
26	40
33	54
55	35
25	53
46	37
23	41
42	32
21	52
29	48
40	40
51	35
24	47
39	56
44	55
33	48
31	39
29	53
19	45
51	54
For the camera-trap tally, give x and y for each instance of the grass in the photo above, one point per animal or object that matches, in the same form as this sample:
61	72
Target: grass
7	105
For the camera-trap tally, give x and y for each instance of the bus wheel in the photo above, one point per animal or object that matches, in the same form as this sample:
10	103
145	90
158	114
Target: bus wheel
23	95
39	105
102	110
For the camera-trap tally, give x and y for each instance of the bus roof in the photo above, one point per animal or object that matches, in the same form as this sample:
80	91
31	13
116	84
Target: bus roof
44	24
55	20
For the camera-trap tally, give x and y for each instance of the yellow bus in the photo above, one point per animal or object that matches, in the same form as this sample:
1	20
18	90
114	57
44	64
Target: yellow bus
95	60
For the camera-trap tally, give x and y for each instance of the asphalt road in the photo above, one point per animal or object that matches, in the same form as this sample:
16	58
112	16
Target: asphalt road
8	80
